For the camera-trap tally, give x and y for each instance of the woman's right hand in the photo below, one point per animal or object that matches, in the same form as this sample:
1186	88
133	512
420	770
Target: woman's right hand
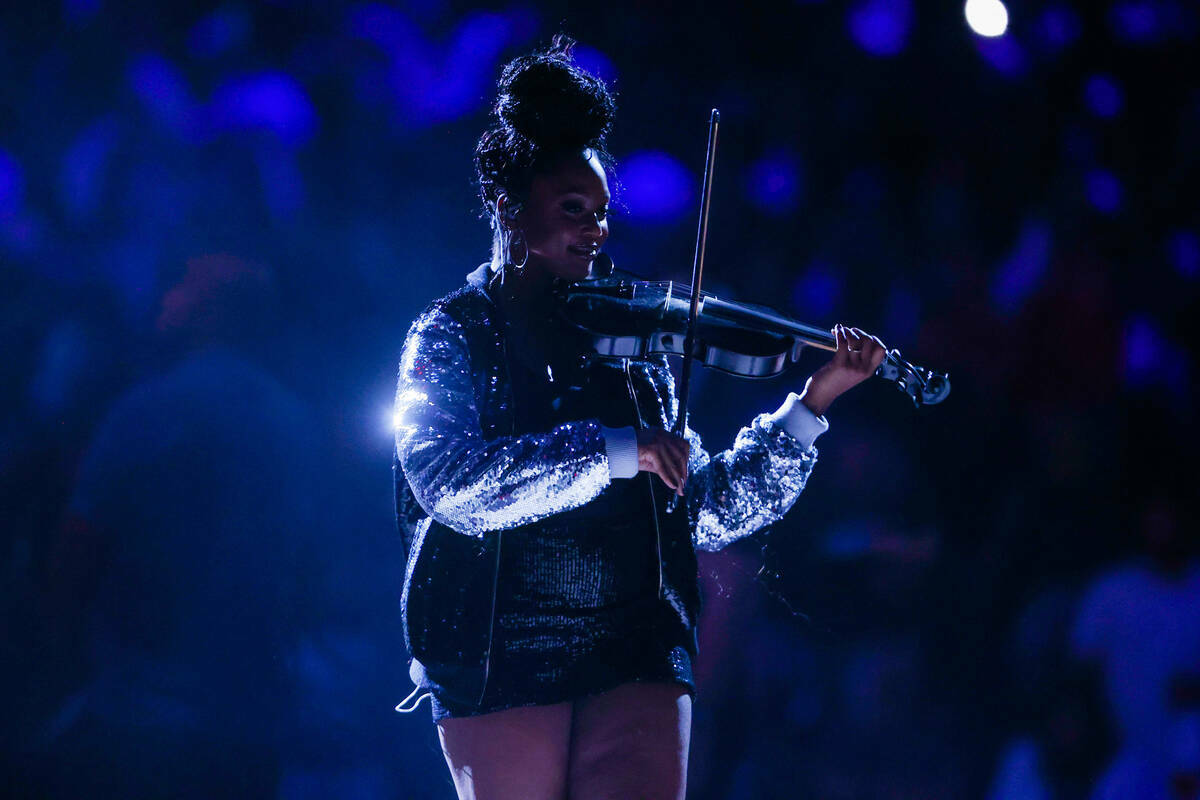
664	454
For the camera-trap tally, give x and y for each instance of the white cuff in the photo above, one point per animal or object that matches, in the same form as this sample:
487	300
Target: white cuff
796	419
621	446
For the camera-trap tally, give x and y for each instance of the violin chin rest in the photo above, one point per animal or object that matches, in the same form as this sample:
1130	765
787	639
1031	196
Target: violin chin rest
602	266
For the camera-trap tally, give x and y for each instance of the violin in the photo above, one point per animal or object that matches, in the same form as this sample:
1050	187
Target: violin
622	316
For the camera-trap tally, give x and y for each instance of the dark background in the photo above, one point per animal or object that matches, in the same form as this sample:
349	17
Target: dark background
217	222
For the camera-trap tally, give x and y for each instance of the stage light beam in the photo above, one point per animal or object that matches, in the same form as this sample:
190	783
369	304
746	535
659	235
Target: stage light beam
987	17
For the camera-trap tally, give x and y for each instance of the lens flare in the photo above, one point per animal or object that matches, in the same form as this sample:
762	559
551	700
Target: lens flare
987	17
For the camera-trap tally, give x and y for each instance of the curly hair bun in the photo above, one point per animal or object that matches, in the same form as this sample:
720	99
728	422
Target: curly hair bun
545	98
546	107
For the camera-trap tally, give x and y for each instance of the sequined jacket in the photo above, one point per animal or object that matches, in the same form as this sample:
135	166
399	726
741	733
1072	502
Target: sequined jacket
462	477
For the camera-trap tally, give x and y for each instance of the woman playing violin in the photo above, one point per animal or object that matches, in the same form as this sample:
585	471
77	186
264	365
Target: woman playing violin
550	600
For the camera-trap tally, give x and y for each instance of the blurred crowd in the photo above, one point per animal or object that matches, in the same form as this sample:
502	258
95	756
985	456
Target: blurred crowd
218	220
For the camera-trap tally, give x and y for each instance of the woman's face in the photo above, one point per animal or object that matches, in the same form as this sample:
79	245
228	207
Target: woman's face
565	221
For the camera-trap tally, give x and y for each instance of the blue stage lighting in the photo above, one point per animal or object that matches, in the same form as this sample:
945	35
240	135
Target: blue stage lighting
774	183
1057	28
657	187
1183	249
881	27
1150	358
1104	96
84	169
12	185
818	291
282	182
1139	21
595	62
221	30
264	102
1104	191
1022	271
161	87
1003	54
902	313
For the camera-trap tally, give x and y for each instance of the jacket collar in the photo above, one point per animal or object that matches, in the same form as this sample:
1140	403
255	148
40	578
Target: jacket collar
480	279
480	276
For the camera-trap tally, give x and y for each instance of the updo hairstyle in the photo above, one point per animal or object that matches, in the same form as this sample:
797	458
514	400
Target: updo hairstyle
546	108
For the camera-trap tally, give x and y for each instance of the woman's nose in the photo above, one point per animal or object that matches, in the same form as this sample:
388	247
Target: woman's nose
593	224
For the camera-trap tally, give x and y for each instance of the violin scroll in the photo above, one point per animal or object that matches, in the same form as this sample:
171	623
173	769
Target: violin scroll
923	386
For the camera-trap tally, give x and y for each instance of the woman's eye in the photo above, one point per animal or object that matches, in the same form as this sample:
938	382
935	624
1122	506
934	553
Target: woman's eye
572	207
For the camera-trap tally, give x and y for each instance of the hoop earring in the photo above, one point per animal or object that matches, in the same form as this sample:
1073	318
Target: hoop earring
525	245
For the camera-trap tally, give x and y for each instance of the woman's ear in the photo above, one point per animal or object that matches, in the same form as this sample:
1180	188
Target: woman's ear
506	210
503	214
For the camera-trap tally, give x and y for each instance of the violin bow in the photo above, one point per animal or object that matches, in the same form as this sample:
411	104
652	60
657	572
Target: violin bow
697	273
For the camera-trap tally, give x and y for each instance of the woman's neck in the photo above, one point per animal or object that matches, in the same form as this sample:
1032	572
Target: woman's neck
526	291
528	307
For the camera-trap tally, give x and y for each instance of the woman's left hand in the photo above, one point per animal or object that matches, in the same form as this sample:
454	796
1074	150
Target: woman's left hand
858	355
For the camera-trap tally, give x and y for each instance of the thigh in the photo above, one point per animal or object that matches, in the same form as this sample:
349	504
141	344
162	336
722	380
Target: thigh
520	753
631	742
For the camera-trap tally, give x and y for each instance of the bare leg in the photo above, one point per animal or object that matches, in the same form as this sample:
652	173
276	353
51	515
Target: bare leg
517	754
631	743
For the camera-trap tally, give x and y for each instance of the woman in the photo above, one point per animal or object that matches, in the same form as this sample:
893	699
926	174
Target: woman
550	601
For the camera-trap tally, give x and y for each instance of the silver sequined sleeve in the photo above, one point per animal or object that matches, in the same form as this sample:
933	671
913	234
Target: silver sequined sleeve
738	491
469	483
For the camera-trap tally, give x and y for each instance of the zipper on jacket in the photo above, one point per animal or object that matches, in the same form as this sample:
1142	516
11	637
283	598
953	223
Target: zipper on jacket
649	480
487	663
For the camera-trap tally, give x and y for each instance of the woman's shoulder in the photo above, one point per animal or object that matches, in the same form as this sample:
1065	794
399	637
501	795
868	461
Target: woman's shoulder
464	314
468	305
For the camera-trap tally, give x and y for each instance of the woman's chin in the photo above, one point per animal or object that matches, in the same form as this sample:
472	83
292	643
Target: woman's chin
575	268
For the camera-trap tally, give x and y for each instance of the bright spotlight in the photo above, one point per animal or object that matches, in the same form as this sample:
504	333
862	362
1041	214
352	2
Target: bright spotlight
987	17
